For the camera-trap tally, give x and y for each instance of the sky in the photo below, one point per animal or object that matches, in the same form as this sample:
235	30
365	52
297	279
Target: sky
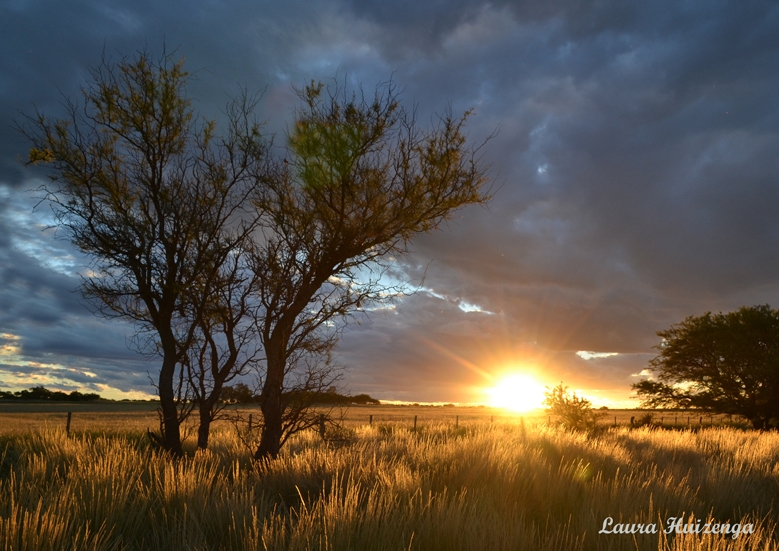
634	159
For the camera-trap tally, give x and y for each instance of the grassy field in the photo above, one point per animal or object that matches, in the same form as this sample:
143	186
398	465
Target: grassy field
491	483
18	416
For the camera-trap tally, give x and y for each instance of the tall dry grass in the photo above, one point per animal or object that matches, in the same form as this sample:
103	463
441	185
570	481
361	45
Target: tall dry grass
481	487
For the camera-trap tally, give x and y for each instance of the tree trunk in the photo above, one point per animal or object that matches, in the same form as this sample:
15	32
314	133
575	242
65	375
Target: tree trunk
270	440
206	408
171	434
272	407
207	404
205	425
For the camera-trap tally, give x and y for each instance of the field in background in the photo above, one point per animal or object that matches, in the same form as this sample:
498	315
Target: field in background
116	416
484	485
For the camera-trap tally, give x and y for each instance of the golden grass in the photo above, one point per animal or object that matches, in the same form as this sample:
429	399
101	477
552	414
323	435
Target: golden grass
482	486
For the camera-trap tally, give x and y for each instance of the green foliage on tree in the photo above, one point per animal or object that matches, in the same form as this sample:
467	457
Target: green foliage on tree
720	363
574	412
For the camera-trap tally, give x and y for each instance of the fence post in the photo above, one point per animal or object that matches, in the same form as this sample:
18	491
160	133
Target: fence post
456	421
370	420
250	421
67	426
415	423
322	425
701	420
615	420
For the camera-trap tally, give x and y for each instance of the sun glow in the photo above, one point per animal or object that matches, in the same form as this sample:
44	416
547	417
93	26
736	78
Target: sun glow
517	393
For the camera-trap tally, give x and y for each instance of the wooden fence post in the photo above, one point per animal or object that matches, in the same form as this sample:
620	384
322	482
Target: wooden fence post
250	421
415	423
456	421
615	420
370	420
67	426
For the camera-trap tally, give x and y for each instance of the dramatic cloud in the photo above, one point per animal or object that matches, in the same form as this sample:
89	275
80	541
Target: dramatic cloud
633	148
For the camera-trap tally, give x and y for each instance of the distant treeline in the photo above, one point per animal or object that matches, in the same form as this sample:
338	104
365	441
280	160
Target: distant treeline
236	394
42	393
242	394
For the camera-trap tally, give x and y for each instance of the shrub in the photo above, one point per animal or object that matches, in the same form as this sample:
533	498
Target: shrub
574	412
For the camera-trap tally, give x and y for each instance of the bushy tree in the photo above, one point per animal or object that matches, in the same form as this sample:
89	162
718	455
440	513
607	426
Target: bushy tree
721	363
238	393
360	181
575	412
148	191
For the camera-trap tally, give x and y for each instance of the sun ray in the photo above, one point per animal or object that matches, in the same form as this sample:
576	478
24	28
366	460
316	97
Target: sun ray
459	359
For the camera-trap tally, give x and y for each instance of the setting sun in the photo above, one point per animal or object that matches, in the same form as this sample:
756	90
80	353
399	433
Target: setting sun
517	393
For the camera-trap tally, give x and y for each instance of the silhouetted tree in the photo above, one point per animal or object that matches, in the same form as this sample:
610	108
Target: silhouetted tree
43	393
158	202
363	399
360	181
238	393
722	363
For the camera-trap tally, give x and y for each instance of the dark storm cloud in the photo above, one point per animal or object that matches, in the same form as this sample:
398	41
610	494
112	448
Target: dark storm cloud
635	161
49	48
641	165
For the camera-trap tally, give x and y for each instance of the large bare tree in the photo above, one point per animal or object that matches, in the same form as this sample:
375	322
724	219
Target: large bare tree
158	202
362	179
